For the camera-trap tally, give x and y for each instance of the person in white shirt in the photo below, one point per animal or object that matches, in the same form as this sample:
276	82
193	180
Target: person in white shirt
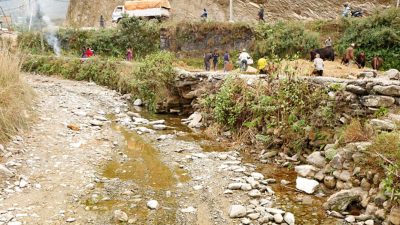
244	58
318	65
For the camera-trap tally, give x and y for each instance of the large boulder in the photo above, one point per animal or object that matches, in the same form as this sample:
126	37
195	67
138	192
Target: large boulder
356	89
377	101
339	201
392	74
316	159
307	185
391	90
383	124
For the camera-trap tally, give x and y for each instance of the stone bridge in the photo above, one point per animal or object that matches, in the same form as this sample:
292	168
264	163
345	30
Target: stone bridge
369	93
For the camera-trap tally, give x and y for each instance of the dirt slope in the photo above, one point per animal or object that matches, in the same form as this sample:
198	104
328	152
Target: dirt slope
87	12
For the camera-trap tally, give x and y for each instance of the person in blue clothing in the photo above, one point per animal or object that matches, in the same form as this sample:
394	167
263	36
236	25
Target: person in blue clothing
215	57
226	61
204	15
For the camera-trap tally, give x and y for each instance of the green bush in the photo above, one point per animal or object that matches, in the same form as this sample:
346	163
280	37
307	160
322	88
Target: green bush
153	79
377	35
150	80
293	106
142	36
284	40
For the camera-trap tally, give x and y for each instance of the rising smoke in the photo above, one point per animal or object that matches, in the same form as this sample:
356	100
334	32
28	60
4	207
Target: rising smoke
39	21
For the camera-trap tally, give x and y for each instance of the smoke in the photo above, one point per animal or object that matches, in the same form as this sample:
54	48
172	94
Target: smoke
39	21
51	37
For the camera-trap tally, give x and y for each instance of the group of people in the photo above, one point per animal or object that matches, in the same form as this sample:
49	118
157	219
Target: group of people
244	60
214	56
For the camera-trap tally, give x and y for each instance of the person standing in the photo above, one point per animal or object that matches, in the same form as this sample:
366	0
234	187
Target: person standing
262	65
244	58
215	57
318	66
129	54
226	61
346	10
204	15
328	42
261	14
207	58
102	22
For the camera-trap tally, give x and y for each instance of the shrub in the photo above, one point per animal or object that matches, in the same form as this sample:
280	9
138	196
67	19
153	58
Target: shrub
15	97
140	35
284	40
294	107
153	79
387	147
377	35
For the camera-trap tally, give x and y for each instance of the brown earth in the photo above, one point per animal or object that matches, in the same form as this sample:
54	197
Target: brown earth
86	13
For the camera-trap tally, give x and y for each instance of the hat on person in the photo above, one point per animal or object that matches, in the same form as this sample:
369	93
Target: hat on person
352	45
244	50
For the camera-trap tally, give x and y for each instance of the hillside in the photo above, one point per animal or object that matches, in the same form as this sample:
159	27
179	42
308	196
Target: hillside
87	12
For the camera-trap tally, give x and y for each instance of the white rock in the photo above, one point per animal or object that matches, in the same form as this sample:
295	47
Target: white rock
138	102
254	193
316	159
305	170
159	127
152	204
257	176
23	183
237	211
189	209
245	221
278	218
120	215
235	186
197	187
307	185
100	118
350	219
289	218
369	222
195	120
144	130
157	122
246	187
70	220
5	171
274	211
96	123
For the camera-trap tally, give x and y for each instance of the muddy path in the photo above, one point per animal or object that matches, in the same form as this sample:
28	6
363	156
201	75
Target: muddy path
85	162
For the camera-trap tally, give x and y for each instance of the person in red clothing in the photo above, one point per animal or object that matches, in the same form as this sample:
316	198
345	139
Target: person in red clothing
89	52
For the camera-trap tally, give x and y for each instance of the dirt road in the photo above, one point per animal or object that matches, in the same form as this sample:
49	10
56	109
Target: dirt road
89	160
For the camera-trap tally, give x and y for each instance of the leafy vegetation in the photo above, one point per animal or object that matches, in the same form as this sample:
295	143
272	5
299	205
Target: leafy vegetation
291	110
377	35
284	40
149	79
139	35
387	148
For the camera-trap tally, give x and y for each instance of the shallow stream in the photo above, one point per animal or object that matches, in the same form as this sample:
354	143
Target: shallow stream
153	178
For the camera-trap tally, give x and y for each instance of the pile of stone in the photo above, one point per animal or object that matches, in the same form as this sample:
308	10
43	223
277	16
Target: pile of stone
260	208
336	169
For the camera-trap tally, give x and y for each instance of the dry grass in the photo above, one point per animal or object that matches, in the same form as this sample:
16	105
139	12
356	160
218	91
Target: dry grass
355	132
15	97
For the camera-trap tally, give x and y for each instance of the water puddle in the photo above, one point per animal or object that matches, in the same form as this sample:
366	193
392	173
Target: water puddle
138	167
